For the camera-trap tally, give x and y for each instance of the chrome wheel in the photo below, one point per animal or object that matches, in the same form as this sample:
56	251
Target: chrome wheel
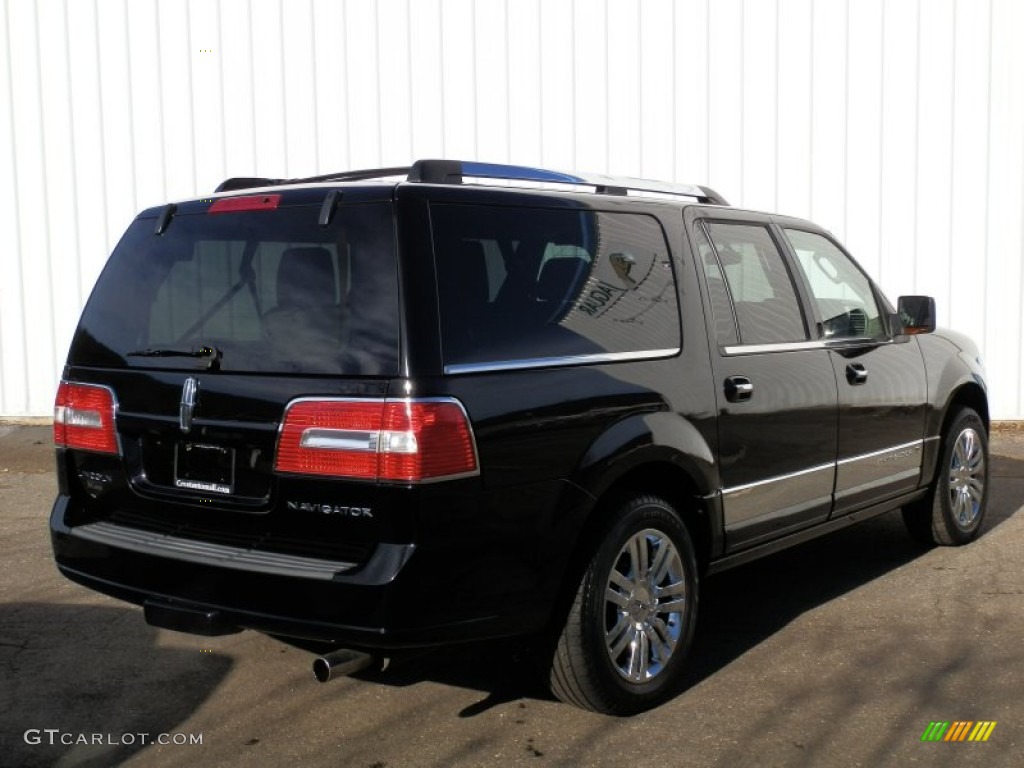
623	645
645	603
954	509
967	477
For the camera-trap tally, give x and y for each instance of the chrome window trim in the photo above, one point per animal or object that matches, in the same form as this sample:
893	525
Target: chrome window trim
797	346
552	362
782	346
850	342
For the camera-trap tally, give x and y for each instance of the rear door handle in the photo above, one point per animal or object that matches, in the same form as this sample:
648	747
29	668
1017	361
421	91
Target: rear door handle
738	389
856	373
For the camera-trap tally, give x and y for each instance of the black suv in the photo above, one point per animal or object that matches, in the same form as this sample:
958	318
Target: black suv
404	407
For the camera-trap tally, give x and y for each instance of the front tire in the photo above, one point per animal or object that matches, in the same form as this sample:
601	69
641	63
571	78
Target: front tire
952	513
631	624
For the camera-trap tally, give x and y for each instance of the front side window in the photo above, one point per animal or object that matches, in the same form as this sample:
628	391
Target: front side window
843	295
534	284
764	299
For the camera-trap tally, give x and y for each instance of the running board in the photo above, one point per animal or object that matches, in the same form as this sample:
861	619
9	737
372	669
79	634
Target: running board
806	534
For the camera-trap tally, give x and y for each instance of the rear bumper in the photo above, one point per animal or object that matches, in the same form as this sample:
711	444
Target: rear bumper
400	598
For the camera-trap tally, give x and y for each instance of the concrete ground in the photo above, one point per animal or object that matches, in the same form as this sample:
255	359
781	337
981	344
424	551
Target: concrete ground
839	652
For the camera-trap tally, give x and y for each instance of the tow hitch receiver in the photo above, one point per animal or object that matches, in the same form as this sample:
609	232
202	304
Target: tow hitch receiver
183	618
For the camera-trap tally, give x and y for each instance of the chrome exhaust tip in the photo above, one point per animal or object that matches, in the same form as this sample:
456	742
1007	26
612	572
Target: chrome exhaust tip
340	663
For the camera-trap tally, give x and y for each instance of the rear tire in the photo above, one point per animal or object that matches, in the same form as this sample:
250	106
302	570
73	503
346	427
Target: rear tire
953	511
623	645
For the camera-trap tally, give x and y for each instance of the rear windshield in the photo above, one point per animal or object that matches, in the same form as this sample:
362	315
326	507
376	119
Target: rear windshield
261	291
537	286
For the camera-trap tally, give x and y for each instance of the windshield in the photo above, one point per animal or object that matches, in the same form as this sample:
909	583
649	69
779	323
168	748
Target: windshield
261	291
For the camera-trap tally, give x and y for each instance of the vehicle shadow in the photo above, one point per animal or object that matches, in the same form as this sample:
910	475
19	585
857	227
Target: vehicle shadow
739	609
94	673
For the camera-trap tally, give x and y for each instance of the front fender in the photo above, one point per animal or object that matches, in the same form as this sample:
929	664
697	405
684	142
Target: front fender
955	375
952	362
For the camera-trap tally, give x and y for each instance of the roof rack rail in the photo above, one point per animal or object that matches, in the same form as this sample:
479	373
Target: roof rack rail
363	175
455	171
248	182
245	182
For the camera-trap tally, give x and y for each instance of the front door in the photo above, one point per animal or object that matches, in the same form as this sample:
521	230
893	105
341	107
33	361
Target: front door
882	383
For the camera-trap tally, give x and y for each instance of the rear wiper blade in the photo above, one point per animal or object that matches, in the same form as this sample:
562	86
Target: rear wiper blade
211	354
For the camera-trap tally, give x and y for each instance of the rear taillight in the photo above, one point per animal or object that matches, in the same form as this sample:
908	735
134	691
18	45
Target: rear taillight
83	418
389	440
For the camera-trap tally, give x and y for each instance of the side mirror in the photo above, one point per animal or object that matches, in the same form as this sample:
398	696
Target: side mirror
916	314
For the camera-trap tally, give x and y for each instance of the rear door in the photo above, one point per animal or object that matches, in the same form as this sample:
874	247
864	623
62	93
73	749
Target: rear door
882	382
775	386
204	333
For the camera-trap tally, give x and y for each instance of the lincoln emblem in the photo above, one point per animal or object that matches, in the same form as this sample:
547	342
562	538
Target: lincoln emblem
189	395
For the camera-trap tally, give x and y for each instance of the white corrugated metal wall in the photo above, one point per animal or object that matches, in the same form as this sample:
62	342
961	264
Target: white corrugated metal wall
898	124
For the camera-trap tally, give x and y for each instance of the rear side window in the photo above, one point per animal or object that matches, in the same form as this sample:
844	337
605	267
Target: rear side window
271	291
536	286
764	299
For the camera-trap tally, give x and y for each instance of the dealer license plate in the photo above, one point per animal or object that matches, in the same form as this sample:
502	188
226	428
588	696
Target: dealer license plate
199	467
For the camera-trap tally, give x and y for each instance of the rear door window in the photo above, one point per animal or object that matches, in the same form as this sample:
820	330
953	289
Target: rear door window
524	286
763	294
270	291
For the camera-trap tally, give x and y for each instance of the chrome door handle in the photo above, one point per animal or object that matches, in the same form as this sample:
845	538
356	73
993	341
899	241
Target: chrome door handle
738	389
856	373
